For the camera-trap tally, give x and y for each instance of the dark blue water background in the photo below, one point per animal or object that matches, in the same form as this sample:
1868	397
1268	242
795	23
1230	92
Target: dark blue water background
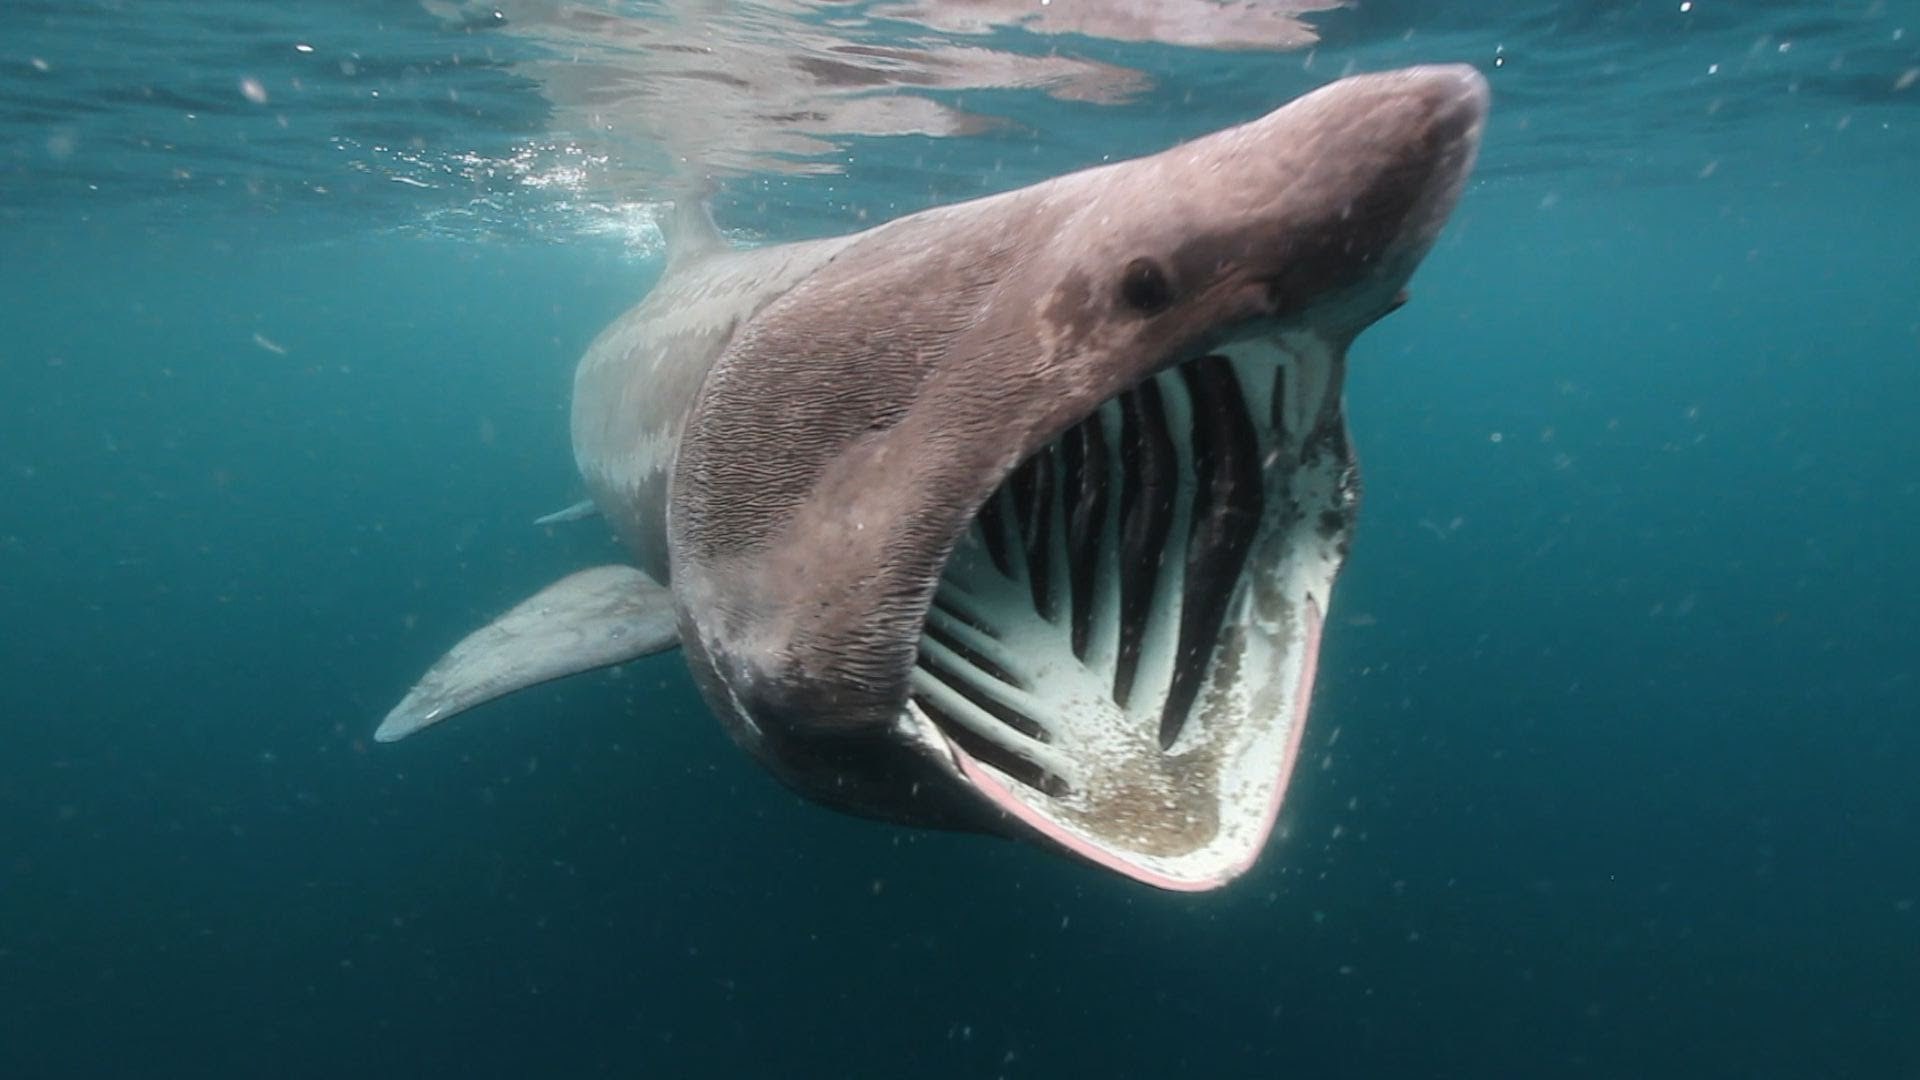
1612	769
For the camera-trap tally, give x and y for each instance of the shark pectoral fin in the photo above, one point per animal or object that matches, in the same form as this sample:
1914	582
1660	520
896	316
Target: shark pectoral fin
591	619
579	511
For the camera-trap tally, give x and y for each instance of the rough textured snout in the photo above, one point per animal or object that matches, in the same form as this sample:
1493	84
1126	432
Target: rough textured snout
1442	109
1362	176
1457	93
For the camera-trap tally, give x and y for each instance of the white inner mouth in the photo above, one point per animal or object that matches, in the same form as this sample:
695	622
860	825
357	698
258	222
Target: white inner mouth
1121	646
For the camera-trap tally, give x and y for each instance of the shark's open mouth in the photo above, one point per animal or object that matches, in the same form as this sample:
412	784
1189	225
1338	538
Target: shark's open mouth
1122	645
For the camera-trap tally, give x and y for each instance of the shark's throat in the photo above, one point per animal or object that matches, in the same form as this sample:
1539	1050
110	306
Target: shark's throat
1121	646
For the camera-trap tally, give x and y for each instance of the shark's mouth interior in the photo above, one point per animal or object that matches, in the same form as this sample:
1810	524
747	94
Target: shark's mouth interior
1121	648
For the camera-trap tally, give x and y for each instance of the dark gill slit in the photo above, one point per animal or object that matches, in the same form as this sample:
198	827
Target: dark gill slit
1083	457
1227	504
991	753
1033	498
972	656
1149	481
993	534
962	685
1277	408
944	605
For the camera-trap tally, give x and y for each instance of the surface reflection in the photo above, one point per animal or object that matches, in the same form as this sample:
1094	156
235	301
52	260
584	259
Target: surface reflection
710	89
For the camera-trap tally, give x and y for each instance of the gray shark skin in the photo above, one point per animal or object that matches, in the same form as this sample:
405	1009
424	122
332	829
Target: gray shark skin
1020	515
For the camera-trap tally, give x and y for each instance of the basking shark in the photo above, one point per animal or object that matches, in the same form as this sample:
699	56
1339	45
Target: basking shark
1019	515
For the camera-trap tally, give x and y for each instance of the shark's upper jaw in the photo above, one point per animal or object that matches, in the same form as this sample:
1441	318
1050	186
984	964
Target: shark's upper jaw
1122	647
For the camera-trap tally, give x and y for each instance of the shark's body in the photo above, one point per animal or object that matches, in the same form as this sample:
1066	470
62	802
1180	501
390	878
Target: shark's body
1018	515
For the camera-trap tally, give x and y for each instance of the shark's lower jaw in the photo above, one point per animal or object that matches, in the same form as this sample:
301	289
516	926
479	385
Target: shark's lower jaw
1122	647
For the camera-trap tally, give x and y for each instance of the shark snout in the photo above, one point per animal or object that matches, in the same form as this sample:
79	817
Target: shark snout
1446	107
1368	170
1456	98
1460	96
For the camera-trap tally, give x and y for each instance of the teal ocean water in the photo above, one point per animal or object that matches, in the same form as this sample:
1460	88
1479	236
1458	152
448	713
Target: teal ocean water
1615	752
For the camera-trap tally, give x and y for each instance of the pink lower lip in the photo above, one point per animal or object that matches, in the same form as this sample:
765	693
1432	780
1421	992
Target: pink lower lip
1011	804
989	785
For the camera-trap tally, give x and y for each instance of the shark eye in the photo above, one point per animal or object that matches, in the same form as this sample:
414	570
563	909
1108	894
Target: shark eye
1144	287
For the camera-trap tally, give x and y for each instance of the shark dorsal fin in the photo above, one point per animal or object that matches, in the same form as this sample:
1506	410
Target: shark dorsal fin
690	232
